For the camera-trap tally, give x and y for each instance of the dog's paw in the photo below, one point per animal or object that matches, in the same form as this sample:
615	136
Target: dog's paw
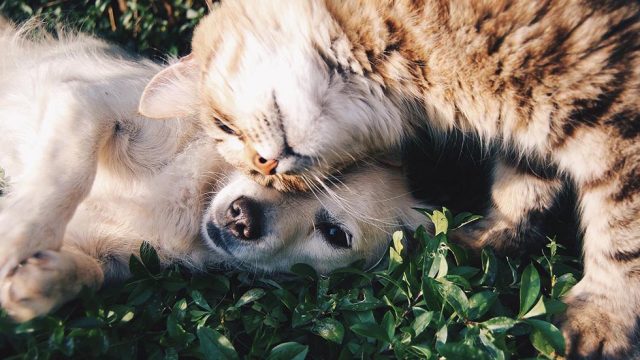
596	331
39	284
20	239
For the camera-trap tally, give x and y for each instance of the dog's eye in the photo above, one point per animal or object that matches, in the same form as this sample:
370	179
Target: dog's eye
335	235
222	126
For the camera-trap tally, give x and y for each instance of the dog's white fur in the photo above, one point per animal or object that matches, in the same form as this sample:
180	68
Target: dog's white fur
89	179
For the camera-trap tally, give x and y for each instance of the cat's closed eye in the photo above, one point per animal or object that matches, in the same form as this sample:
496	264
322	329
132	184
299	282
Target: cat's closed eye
224	127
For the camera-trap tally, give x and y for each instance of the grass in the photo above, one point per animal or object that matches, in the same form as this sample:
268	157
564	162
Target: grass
435	301
152	28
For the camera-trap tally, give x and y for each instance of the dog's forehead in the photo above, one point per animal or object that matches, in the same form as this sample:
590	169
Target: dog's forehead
369	189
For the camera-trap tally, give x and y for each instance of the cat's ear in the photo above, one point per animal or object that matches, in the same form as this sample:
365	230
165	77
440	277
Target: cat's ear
173	91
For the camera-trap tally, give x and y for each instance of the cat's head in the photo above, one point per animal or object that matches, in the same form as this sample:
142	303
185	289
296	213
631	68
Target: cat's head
279	90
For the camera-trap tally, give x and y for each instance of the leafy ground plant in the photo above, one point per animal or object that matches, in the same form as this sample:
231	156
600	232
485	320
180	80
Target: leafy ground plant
431	302
153	28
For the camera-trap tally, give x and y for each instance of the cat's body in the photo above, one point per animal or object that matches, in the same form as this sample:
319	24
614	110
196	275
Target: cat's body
555	82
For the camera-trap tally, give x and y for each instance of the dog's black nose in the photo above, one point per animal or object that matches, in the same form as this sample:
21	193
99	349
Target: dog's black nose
243	219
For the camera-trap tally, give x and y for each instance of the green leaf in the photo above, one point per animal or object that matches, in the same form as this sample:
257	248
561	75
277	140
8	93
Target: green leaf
466	272
489	267
214	345
538	309
137	268
149	257
250	296
540	343
436	265
562	285
460	350
499	324
432	293
171	354
374	331
455	297
463	219
424	352
368	302
546	337
442	335
179	309
440	222
199	300
460	281
553	246
489	341
459	254
395	258
423	318
397	241
554	306
529	289
177	332
302	315
286	298
447	213
480	303
141	293
354	271
305	271
388	323
289	351
329	329
443	268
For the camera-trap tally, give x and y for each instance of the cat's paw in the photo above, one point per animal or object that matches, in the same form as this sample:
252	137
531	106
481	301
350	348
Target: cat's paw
596	331
39	284
480	234
503	236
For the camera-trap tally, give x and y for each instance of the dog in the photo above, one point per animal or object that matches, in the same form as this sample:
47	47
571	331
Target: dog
87	179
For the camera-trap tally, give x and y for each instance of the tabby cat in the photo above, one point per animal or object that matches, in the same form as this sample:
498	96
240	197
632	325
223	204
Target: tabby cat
293	91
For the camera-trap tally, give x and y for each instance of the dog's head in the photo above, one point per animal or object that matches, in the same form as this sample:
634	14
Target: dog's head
352	218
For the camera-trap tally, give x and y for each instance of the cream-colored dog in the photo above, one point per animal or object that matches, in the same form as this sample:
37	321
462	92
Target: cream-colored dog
88	179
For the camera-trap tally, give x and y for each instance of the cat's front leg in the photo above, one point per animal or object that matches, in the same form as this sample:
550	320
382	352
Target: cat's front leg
603	314
58	173
520	199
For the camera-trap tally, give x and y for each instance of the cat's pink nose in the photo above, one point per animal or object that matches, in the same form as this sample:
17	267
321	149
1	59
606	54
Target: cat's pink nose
265	166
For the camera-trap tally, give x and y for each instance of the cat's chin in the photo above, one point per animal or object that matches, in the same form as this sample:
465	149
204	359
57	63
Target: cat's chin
280	182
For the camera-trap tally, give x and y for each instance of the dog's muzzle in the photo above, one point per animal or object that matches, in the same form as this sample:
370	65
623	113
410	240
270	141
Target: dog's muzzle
242	225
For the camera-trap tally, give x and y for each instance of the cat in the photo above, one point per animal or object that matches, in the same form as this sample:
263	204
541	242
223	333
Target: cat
294	91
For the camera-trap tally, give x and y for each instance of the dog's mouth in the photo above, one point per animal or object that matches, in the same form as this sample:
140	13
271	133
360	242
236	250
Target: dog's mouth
213	233
225	245
223	240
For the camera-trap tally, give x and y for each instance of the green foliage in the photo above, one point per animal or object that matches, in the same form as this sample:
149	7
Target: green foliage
431	303
152	28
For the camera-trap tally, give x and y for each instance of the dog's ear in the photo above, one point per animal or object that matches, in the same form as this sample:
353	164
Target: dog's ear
172	92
